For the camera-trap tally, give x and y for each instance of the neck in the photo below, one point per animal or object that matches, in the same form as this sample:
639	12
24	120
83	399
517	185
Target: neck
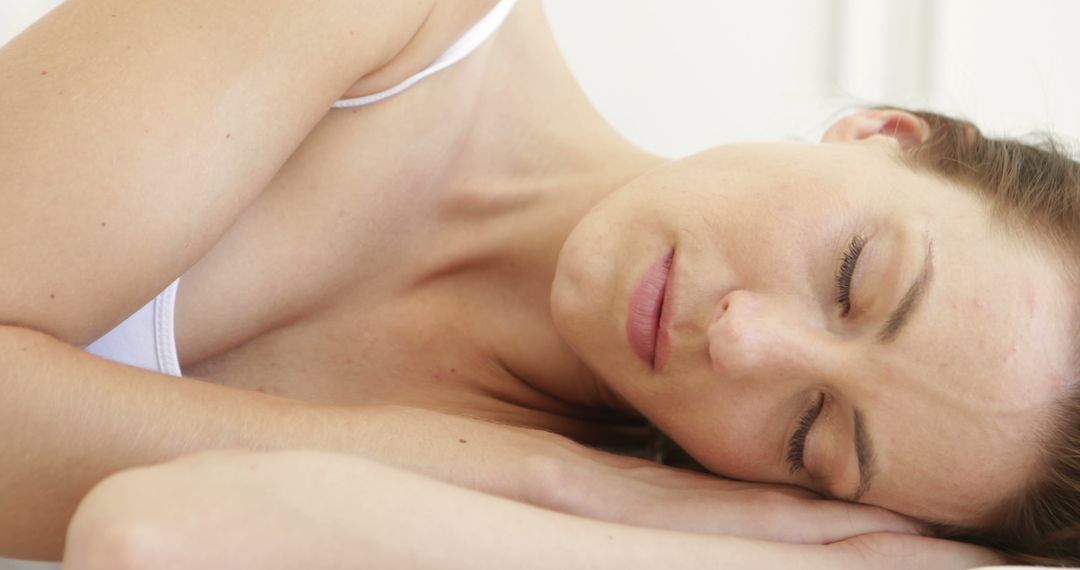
540	156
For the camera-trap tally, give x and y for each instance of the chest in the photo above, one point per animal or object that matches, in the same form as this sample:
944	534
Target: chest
332	287
345	215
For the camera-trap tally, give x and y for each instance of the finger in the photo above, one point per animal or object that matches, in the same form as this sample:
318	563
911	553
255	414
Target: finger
888	550
839	520
678	478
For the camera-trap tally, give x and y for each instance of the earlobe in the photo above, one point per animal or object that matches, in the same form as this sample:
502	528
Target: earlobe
907	129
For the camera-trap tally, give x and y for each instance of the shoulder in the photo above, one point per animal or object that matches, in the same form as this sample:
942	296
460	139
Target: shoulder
447	21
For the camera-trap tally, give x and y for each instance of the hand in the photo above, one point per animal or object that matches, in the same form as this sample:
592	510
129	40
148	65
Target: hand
633	491
888	550
556	473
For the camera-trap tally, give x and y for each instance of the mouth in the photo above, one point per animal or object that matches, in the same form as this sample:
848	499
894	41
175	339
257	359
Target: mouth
647	322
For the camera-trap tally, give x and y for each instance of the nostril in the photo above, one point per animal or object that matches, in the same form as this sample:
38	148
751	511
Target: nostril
719	312
722	307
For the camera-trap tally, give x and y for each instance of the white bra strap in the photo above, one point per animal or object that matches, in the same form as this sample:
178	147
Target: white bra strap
466	44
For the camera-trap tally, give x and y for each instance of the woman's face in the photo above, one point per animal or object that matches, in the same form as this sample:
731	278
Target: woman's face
924	392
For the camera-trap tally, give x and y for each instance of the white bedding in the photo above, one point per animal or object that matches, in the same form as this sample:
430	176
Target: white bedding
8	564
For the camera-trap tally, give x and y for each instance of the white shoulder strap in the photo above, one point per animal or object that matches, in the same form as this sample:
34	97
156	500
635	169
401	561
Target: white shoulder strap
473	38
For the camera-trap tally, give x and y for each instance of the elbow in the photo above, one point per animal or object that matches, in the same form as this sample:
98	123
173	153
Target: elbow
118	546
106	533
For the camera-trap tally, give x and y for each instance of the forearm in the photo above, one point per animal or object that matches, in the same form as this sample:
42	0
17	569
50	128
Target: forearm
70	419
306	509
79	418
317	510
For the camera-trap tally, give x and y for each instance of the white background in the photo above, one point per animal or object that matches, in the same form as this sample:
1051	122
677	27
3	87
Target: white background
682	75
678	76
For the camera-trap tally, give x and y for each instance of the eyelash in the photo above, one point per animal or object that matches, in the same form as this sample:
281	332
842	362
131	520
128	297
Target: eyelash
797	445
847	269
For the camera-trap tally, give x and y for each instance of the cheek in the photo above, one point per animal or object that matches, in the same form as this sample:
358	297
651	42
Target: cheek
730	433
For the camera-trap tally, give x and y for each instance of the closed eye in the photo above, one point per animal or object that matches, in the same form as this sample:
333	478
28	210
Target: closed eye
847	269
797	443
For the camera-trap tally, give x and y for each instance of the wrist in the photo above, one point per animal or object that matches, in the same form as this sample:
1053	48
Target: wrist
508	461
568	478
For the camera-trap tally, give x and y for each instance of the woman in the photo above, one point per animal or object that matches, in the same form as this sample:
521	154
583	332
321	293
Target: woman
482	248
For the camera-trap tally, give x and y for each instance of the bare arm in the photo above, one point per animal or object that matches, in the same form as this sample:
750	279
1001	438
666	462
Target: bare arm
69	419
287	510
135	132
81	418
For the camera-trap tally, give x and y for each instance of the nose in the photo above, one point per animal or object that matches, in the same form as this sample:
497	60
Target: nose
752	335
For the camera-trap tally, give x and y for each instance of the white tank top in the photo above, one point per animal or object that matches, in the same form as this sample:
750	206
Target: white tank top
147	339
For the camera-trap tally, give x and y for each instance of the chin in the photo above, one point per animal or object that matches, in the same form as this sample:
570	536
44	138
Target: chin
577	321
582	286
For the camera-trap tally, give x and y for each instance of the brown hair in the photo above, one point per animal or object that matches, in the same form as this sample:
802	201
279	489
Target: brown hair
1037	183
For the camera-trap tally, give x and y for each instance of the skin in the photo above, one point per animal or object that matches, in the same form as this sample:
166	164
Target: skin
555	215
953	404
307	285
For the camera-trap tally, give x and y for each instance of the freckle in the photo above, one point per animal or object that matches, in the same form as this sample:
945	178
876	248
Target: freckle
260	389
52	295
228	135
44	72
102	224
462	441
453	370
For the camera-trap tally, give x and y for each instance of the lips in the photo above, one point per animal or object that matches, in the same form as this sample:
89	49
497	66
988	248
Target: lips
643	323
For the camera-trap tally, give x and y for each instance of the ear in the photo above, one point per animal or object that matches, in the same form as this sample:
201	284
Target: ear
907	129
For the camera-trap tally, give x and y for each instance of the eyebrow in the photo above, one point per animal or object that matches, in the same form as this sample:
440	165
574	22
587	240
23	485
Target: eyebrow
915	294
864	452
864	445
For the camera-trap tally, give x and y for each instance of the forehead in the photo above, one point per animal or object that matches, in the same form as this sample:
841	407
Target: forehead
780	160
982	364
811	177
